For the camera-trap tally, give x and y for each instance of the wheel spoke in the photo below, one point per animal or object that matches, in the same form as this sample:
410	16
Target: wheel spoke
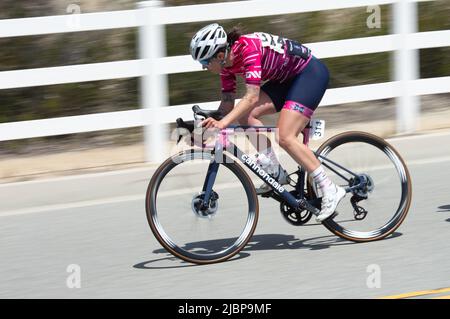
191	228
384	192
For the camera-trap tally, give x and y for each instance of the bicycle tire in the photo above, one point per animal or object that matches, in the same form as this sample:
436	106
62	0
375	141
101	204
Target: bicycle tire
171	247
406	193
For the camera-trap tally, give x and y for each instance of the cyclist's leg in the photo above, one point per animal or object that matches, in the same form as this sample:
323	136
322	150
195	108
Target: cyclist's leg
271	100
303	97
265	106
290	124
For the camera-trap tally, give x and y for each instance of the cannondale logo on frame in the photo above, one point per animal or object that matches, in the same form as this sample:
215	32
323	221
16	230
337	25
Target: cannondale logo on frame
258	170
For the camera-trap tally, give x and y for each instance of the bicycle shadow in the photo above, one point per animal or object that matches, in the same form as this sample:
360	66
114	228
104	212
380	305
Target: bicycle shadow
182	263
320	224
444	209
256	243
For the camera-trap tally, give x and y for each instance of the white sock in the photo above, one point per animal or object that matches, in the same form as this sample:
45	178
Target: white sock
324	182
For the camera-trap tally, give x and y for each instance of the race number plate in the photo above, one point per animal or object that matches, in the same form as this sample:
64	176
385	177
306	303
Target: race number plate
317	130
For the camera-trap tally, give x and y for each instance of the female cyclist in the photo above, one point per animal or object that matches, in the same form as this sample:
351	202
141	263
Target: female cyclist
295	82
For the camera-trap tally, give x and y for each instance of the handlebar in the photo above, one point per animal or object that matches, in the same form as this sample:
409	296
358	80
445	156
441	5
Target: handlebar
199	114
186	125
215	114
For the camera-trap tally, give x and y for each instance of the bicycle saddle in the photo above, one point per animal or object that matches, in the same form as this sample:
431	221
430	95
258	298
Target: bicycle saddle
215	114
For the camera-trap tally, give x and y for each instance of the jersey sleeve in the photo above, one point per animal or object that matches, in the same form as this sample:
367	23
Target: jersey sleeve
251	59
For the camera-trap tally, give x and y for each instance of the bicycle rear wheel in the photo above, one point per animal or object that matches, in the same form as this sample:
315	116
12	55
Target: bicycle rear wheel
382	204
189	230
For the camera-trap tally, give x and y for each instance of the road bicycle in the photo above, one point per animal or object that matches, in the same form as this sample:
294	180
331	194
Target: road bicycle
202	206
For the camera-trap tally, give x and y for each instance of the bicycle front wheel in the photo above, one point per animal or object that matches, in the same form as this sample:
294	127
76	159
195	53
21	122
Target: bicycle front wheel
378	207
191	229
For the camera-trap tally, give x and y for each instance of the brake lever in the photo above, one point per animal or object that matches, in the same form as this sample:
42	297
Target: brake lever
195	109
187	126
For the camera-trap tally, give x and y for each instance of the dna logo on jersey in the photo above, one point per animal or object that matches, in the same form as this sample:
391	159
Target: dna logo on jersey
253	75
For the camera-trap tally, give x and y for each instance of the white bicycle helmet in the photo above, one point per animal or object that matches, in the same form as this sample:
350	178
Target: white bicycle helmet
208	41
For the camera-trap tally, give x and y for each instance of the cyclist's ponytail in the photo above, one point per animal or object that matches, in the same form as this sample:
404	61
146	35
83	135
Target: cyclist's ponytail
234	35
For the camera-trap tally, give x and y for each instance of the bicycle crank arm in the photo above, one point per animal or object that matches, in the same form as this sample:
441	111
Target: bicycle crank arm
304	204
311	206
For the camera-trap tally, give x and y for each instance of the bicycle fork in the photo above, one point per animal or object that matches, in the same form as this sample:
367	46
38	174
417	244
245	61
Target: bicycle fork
213	168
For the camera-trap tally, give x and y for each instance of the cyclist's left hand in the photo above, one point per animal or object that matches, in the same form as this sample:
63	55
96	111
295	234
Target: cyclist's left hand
212	123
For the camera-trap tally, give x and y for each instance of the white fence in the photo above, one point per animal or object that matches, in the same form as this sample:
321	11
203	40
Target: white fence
153	66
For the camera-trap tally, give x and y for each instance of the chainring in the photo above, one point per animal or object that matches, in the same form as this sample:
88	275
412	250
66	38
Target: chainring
293	216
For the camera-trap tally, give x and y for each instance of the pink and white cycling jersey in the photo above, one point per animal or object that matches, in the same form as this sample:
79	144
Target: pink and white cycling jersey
261	57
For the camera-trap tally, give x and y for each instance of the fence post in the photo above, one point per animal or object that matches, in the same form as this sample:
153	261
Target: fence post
406	65
152	45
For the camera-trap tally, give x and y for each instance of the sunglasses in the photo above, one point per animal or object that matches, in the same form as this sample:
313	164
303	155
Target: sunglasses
205	62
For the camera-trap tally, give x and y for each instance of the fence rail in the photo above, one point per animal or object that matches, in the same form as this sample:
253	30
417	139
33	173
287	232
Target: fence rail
142	117
174	15
182	64
153	65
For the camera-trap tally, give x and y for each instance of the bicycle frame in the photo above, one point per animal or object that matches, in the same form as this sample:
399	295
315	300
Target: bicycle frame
280	193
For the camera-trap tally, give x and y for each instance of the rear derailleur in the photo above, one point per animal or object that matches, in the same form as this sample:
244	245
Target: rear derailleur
359	212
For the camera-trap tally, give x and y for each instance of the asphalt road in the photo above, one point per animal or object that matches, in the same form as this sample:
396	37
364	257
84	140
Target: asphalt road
97	223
